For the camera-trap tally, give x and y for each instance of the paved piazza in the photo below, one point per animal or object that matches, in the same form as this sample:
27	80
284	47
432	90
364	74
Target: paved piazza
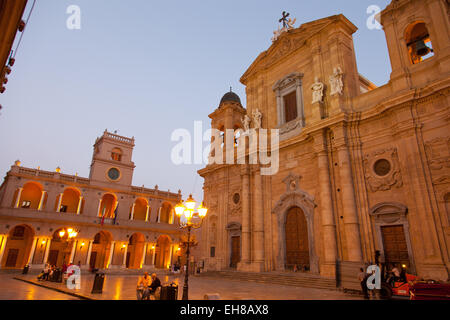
11	289
124	288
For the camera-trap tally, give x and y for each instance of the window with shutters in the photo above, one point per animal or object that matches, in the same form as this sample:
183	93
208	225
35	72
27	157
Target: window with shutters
290	106
289	96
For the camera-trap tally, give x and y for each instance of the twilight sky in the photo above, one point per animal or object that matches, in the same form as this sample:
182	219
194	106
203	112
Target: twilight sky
145	68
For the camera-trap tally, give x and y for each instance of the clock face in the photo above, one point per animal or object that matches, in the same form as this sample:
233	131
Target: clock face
113	174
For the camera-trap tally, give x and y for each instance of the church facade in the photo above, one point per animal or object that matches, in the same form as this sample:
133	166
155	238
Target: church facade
361	168
100	222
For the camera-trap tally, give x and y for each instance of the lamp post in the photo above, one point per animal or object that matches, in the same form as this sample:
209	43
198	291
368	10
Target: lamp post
189	219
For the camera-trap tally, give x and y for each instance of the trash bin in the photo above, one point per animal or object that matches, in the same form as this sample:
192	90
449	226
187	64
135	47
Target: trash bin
98	283
169	292
25	269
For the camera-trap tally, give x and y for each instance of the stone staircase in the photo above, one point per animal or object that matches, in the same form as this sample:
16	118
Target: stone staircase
281	278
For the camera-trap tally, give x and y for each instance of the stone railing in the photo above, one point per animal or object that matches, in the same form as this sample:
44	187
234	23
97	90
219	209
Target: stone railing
52	175
118	138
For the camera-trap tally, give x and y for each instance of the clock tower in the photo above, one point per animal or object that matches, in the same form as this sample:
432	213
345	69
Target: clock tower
111	159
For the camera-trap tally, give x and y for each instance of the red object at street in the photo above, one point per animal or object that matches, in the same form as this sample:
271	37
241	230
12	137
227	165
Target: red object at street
430	291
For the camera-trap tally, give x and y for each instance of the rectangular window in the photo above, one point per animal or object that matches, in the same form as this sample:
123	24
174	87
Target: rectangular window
63	209
26	204
213	252
290	106
19	232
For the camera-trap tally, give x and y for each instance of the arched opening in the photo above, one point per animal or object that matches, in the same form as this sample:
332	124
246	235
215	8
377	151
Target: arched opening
297	244
31	195
140	209
108	206
60	247
18	247
70	201
101	248
162	252
135	251
116	154
418	42
166	213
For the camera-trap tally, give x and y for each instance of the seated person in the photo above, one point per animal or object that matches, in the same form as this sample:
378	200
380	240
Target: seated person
156	283
143	290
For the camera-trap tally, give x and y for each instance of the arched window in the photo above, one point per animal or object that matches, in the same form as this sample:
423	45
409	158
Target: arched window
418	42
116	154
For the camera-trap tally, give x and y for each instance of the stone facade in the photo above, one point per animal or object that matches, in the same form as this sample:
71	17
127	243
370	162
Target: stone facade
118	225
367	166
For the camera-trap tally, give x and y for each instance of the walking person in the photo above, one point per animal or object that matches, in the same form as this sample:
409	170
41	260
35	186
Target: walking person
362	277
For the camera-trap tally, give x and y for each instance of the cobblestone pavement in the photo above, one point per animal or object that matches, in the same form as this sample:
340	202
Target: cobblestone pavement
11	289
124	288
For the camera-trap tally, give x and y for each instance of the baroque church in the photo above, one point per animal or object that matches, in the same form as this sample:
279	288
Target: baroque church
361	168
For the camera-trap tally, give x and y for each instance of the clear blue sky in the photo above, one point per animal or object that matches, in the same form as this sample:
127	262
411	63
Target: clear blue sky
145	68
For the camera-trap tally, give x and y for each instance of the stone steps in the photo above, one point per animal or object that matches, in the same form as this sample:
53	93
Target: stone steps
296	280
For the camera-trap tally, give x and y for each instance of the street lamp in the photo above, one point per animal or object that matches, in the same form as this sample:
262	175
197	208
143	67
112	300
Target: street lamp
189	219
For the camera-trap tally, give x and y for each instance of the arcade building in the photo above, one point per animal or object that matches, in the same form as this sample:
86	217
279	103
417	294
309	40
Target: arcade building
101	222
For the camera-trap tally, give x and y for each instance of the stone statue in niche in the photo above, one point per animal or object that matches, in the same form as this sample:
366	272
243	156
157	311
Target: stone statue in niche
257	116
317	88
246	123
336	84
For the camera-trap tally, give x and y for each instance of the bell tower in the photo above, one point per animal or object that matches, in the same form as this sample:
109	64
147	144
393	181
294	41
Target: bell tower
418	40
111	159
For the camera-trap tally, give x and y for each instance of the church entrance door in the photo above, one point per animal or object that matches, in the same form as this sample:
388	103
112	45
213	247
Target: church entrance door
297	245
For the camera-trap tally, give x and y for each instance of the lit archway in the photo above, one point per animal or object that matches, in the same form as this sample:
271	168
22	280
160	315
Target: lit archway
140	209
162	252
30	196
135	251
108	206
71	201
18	247
101	248
166	214
60	247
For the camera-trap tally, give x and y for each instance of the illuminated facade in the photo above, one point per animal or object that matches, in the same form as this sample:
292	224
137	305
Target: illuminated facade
102	222
362	168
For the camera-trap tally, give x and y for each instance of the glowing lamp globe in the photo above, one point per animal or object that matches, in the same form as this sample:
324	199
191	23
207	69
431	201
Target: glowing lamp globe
202	210
179	209
190	203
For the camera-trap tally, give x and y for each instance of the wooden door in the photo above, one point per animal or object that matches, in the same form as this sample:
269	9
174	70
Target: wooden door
395	247
235	251
11	260
297	245
128	259
53	257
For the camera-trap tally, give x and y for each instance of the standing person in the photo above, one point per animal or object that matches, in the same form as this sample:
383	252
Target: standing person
143	284
46	272
362	277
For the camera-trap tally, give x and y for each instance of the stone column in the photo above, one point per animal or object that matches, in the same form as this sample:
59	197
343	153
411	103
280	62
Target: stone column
72	252
132	211
144	252
58	208
146	213
79	205
3	241
153	254
99	207
19	194
328	267
47	250
258	225
111	252
33	249
124	262
246	241
41	200
351	225
88	256
159	214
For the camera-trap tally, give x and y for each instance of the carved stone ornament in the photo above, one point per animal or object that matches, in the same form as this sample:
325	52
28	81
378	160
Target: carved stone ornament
438	154
291	125
382	170
317	88
257	116
336	84
234	202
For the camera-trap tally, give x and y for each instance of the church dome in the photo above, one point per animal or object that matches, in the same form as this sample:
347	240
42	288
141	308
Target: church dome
230	97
